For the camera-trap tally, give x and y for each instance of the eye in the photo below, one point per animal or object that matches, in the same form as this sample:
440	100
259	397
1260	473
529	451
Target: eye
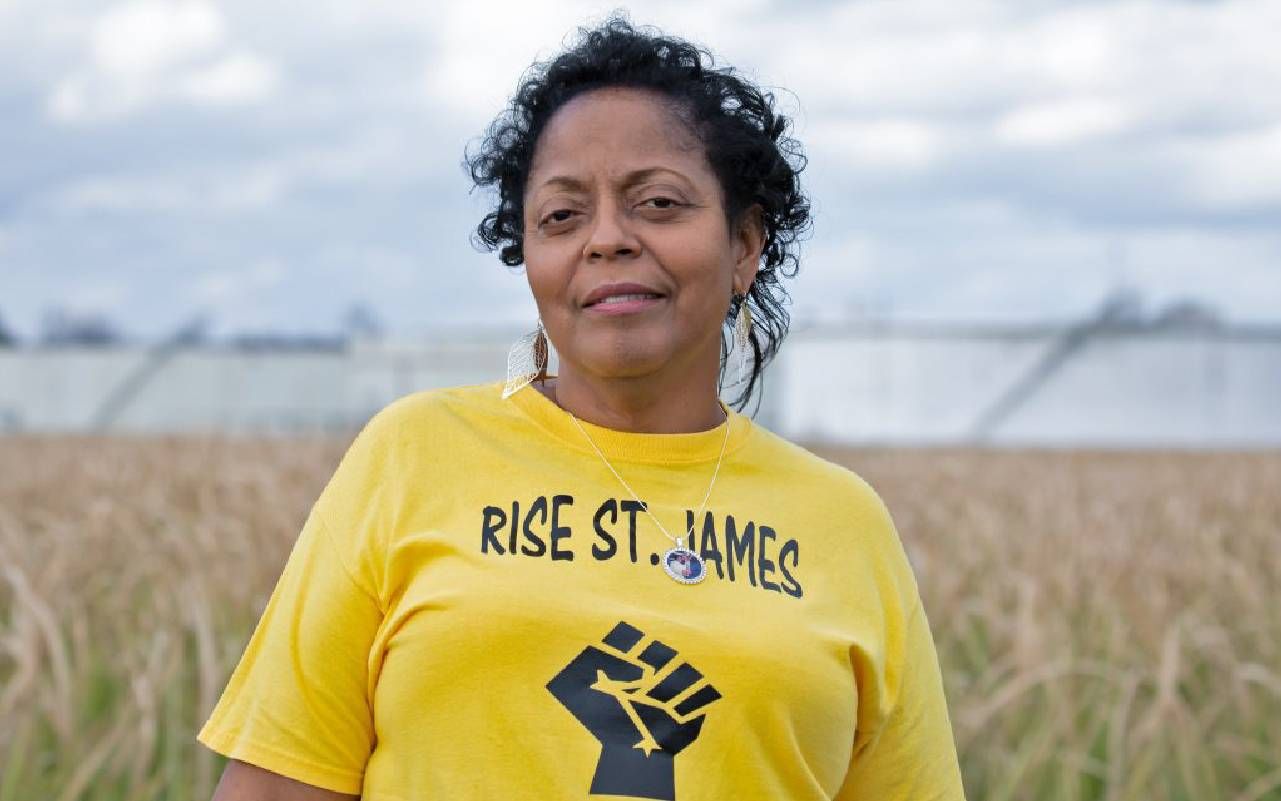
661	203
557	216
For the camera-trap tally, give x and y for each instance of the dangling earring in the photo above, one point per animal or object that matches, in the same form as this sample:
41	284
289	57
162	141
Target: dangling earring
742	337
526	360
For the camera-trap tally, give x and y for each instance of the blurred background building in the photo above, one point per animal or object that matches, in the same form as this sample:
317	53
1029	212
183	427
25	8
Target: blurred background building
1180	377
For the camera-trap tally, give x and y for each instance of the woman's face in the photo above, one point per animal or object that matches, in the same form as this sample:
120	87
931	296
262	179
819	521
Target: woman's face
620	191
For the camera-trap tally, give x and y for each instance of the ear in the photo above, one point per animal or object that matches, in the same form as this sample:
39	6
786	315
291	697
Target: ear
749	241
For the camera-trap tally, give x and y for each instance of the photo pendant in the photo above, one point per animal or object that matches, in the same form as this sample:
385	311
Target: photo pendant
684	565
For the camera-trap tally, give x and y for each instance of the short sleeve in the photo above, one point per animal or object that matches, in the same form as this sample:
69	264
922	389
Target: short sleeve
912	757
299	701
903	748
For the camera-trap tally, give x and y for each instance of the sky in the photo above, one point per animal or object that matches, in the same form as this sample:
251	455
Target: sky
270	164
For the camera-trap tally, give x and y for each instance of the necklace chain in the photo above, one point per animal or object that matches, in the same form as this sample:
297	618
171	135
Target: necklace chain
690	533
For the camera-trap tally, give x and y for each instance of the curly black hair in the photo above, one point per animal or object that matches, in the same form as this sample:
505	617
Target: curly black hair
745	140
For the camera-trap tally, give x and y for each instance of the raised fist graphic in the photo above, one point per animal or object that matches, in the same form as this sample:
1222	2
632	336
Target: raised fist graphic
641	720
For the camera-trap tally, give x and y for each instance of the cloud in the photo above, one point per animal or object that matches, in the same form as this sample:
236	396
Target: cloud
475	81
150	52
145	37
236	78
478	53
888	144
224	287
964	154
376	157
199	190
1233	171
1062	122
98	295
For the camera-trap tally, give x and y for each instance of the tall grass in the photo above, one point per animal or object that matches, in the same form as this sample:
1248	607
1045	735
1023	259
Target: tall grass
1109	624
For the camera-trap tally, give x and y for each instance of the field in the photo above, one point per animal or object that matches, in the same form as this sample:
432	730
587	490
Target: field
1109	624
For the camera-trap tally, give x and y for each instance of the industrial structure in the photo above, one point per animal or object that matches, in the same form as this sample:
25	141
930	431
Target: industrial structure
1181	380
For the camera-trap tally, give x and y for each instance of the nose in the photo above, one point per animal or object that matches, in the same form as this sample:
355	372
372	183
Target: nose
611	236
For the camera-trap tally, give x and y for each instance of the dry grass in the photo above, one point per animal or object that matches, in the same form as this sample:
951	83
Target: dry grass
1109	623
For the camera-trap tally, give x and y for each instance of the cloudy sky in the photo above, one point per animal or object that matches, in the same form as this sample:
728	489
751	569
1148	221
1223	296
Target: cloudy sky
272	163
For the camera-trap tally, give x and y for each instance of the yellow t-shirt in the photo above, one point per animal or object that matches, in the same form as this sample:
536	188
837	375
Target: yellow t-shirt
477	609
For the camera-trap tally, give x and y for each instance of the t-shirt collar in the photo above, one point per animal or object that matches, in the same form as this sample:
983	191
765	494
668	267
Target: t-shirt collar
632	446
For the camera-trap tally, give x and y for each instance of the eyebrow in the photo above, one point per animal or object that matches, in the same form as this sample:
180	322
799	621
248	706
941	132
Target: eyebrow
629	180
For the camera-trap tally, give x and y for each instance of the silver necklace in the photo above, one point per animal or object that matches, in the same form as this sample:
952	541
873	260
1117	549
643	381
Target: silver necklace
681	563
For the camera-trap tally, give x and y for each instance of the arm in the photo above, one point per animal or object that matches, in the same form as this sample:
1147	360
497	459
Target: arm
298	704
242	781
903	747
911	756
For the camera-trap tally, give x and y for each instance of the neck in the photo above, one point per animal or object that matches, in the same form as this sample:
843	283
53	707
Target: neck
643	404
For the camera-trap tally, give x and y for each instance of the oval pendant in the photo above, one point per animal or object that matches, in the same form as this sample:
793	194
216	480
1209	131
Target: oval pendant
684	565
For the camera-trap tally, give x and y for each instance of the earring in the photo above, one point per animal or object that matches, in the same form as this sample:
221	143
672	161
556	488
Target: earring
526	360
742	337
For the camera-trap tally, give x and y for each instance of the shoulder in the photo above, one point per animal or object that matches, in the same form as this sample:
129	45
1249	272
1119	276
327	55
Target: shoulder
797	466
402	441
845	512
431	409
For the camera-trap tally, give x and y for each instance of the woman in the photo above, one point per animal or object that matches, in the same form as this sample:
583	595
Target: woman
513	589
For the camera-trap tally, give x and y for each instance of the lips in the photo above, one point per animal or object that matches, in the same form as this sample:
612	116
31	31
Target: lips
607	290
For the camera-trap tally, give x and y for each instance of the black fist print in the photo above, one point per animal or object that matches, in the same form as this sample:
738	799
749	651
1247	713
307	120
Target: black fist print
642	714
